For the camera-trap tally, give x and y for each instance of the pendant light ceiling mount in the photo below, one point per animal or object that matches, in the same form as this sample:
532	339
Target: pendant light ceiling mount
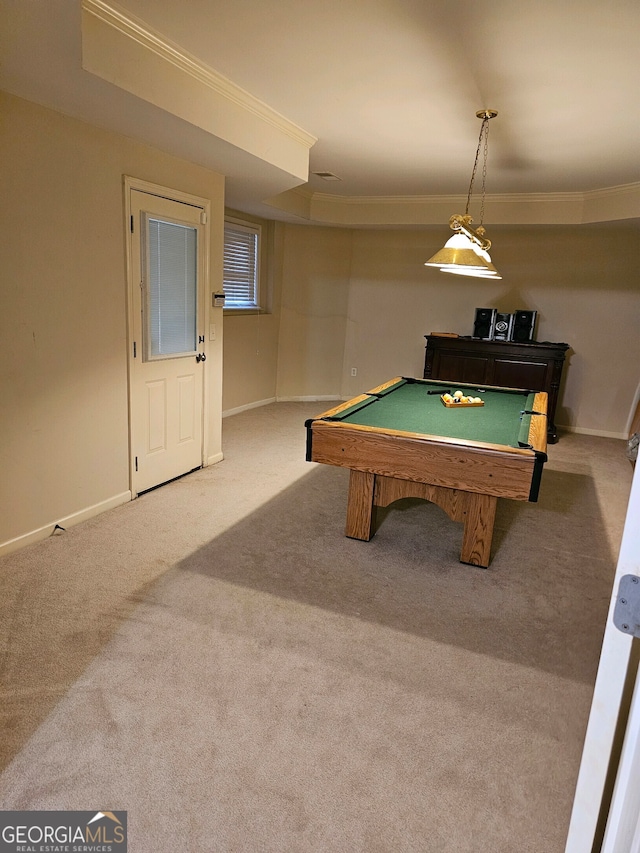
486	114
467	252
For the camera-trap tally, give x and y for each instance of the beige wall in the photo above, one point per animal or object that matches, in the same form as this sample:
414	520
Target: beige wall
367	294
63	350
315	291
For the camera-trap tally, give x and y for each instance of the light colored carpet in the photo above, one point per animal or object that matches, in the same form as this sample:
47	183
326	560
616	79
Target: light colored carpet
217	659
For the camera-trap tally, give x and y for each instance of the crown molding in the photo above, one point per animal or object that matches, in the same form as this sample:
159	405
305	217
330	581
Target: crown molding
610	192
136	30
570	208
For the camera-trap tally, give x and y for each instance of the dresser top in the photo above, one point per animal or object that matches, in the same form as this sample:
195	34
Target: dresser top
461	340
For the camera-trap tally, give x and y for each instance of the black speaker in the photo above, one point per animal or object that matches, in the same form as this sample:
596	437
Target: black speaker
484	323
524	323
503	327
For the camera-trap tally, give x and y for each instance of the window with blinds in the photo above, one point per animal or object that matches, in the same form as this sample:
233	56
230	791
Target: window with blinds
241	254
171	289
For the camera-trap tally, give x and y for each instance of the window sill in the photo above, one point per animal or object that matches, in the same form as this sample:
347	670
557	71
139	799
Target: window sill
249	310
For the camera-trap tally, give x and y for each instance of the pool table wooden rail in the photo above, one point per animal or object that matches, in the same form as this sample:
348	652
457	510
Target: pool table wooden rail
439	461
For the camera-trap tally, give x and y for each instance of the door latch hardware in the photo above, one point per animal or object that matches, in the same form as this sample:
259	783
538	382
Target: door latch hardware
626	612
201	357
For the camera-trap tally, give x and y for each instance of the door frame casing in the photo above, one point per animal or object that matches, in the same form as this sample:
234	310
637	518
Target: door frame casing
131	184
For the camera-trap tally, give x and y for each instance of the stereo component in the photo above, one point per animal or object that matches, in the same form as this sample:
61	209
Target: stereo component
484	323
524	323
503	327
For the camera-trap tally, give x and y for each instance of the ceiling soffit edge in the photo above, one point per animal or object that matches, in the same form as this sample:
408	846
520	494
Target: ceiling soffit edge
190	89
570	208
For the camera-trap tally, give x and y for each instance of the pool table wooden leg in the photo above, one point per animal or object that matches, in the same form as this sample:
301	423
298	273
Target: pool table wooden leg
361	513
478	529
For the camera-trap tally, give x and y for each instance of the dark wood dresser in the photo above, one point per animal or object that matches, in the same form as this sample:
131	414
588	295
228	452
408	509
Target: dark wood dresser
506	364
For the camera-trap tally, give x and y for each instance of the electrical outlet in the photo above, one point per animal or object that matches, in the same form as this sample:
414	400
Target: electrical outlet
354	371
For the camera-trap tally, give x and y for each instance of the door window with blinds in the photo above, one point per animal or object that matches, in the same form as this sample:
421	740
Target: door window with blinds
171	289
241	265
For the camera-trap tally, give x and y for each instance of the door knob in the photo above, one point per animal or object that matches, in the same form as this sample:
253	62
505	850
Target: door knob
201	357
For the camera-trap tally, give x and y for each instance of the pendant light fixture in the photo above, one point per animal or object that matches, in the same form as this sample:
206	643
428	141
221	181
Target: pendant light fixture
467	252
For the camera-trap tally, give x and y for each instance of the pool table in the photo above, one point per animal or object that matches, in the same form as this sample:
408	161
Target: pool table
399	440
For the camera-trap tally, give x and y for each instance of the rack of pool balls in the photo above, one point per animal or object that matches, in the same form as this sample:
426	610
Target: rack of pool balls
459	400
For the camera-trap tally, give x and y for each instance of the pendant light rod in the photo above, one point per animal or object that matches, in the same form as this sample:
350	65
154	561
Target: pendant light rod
486	116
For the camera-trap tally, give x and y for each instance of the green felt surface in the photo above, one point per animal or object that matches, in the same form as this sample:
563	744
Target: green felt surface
407	406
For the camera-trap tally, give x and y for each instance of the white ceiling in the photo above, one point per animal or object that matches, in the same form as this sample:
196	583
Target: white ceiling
390	88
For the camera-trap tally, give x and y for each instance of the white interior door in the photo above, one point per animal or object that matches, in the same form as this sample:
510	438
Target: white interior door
611	682
167	338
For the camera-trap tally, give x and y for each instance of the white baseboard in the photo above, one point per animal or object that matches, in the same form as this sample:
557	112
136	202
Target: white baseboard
68	521
217	457
598	432
228	412
323	398
327	398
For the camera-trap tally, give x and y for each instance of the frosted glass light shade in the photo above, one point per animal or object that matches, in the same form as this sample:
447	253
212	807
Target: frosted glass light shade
457	251
461	256
470	271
